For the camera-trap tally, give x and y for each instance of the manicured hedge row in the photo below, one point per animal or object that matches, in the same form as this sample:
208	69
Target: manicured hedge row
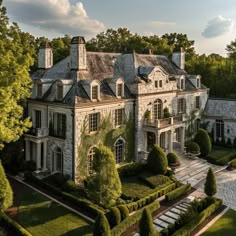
223	160
134	206
156	180
133	219
84	204
13	226
177	192
131	169
187	229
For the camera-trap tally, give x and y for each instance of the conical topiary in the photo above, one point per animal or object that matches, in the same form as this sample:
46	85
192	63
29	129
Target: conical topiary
210	185
146	227
101	226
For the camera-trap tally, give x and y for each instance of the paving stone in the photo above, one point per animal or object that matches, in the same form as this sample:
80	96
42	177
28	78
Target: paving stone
161	223
181	208
171	214
158	228
175	210
167	219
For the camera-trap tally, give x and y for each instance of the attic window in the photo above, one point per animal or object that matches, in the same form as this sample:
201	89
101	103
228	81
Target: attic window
198	83
59	92
119	90
39	90
94	92
182	84
156	83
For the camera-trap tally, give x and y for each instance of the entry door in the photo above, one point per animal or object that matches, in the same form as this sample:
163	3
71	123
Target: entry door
151	140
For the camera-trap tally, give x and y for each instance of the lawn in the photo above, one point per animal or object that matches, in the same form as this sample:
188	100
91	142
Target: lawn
226	225
41	216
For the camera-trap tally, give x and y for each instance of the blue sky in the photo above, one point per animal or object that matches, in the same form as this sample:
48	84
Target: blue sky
211	23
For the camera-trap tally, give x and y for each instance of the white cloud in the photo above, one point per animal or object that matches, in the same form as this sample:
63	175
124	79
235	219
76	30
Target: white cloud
161	23
54	15
218	26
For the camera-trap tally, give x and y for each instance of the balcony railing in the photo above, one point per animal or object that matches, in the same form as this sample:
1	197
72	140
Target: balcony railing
39	132
161	123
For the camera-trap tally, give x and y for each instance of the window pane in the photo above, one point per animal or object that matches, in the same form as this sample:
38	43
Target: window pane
119	90
37	119
95	92
93	122
59	92
119	117
119	148
39	90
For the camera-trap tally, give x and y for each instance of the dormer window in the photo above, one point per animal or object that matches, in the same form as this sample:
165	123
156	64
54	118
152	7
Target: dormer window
120	90
181	85
95	92
59	92
156	83
160	83
198	83
39	90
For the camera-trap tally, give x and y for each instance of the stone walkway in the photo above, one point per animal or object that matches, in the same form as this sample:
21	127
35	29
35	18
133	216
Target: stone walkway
194	170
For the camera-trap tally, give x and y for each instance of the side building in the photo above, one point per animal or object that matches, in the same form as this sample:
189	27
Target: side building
126	101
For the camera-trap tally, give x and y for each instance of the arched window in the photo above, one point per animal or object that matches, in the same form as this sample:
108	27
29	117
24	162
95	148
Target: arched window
157	109
119	150
90	157
57	160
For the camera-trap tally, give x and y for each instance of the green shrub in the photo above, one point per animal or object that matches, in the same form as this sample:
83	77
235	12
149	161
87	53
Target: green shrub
113	216
154	181
177	192
157	161
210	184
146	227
203	140
232	163
172	159
101	226
124	212
222	142
130	169
229	142
69	186
166	112
217	142
6	194
192	147
12	225
226	159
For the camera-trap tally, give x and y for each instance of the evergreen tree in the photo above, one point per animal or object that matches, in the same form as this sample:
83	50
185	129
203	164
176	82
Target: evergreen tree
101	226
104	186
157	161
6	195
146	227
15	82
203	140
210	185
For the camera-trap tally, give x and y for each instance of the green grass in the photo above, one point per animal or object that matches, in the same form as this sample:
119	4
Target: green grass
40	216
226	225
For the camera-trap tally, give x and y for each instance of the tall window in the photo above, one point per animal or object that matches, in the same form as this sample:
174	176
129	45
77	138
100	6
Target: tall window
95	92
119	117
198	83
59	92
181	105
57	161
119	150
157	110
156	83
94	122
38	119
197	101
39	90
219	128
59	125
90	157
182	84
119	90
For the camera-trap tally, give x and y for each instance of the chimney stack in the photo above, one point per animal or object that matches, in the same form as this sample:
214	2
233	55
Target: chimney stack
178	57
45	56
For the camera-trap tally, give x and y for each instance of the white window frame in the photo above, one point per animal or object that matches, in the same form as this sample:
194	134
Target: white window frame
119	149
94	120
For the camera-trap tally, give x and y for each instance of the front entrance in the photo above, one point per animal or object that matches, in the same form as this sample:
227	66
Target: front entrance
151	140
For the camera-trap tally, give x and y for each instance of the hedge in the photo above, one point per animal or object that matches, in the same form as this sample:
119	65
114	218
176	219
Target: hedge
12	225
188	228
84	204
232	163
192	147
223	160
133	219
177	192
155	180
131	169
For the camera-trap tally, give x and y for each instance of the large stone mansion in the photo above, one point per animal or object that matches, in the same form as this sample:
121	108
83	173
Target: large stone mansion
126	101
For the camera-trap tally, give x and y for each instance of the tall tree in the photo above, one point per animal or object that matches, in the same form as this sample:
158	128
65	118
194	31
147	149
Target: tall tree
104	186
101	226
15	81
146	227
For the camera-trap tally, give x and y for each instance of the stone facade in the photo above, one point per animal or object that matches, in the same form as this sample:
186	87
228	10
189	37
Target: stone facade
126	101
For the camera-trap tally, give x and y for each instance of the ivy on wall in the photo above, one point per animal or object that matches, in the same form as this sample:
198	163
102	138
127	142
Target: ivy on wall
106	135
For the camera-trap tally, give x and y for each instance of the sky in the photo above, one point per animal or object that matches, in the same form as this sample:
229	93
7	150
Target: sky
210	23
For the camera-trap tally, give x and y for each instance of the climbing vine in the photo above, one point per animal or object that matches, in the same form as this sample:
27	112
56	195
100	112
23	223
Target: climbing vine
106	135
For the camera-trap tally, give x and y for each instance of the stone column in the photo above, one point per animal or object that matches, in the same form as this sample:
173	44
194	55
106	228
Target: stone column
170	141
182	139
27	150
45	155
38	156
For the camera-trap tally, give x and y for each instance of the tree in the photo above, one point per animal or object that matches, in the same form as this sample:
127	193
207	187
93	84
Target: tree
203	140
104	186
157	161
101	226
6	195
15	82
210	188
146	227
114	217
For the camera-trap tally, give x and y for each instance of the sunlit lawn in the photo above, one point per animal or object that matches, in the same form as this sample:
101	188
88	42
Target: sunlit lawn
226	225
42	217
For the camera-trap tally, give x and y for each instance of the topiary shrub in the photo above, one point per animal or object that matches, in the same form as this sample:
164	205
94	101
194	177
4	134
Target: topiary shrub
217	142
6	195
166	112
222	142
232	164
124	212
113	217
210	184
146	227
203	140
69	186
173	159
192	147
229	142
157	161
101	226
